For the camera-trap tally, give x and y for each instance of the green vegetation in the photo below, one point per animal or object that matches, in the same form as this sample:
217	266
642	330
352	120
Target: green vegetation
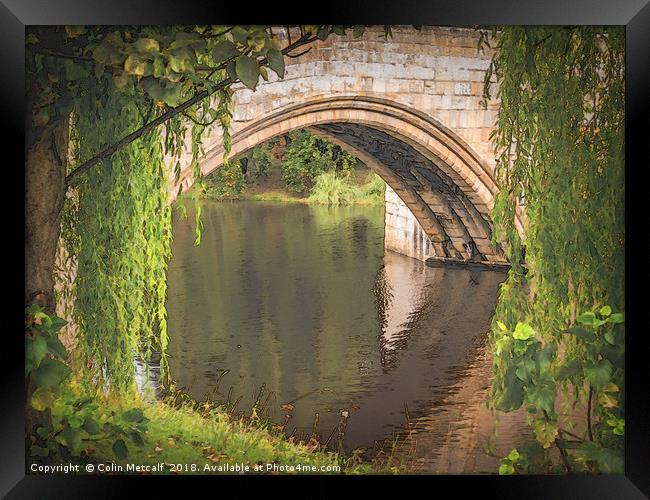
83	426
558	344
110	106
331	189
307	156
312	170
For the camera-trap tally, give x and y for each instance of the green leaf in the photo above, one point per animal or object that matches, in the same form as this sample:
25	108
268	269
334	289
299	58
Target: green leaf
74	71
506	469
71	438
569	370
523	331
239	34
224	50
616	318
133	415
586	318
513	456
54	346
358	31
50	374
323	32
42	399
91	426
544	357
119	449
137	65
35	350
610	461
136	437
247	71
276	61
542	395
512	395
578	331
605	311
599	373
526	369
147	45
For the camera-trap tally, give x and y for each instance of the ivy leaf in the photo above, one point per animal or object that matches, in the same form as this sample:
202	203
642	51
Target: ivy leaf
599	373
247	71
119	449
50	374
276	61
523	331
224	50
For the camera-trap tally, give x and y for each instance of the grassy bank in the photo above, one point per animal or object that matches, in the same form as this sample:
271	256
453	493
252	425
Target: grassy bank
186	438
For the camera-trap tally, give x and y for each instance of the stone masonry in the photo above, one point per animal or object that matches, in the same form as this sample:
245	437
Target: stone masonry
410	107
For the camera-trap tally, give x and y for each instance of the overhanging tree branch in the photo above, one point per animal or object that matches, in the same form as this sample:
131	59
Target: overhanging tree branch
73	177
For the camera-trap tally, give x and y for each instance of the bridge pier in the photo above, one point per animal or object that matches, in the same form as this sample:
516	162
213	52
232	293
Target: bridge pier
403	233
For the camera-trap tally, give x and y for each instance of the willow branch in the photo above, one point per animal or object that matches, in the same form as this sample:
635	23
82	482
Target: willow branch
73	177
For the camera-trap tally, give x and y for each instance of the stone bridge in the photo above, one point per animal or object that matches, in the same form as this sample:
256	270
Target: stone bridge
410	107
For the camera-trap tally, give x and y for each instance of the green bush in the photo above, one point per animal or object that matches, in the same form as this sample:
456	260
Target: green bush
306	157
227	181
259	162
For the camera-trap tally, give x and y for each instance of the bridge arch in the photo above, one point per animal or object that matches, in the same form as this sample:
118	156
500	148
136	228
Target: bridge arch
445	184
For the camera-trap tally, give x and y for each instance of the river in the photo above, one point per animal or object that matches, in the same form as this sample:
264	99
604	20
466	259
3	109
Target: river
300	307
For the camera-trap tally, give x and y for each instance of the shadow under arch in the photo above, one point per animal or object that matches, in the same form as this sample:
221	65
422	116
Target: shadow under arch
445	184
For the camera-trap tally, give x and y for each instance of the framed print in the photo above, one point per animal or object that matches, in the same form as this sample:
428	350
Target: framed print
393	248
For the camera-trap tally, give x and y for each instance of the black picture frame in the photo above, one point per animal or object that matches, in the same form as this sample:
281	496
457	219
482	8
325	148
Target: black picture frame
634	14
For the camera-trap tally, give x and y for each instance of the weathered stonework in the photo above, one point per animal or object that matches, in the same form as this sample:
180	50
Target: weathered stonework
403	233
410	107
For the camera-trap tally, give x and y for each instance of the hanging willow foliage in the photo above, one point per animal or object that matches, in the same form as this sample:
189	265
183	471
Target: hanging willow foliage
120	217
560	159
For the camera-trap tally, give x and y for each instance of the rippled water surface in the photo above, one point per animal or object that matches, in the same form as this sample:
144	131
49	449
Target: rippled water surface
303	303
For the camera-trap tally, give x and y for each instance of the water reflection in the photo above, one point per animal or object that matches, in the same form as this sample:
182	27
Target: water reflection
304	302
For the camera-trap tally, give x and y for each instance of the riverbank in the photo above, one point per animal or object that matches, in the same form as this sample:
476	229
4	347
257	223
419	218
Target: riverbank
362	187
195	438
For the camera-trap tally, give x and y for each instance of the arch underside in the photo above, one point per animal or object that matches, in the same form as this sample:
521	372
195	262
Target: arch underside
456	228
446	186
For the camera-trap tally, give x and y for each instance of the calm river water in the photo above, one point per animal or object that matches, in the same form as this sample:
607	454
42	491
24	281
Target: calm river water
303	303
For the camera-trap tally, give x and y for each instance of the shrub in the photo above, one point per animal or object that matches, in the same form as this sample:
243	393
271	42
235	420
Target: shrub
307	156
228	181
